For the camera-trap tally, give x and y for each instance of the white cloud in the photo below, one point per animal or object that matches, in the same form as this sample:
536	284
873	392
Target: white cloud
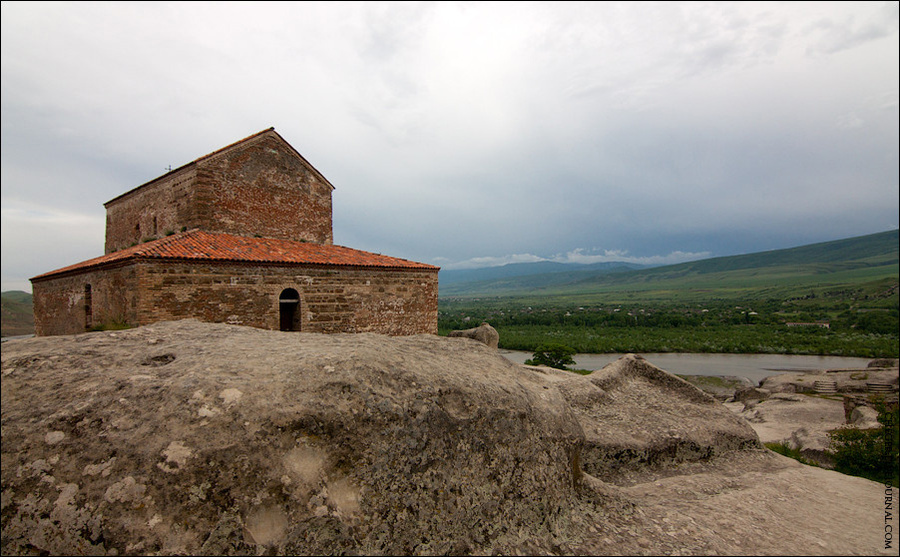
492	261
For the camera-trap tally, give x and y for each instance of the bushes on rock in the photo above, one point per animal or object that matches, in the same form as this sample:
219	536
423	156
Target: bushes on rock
869	453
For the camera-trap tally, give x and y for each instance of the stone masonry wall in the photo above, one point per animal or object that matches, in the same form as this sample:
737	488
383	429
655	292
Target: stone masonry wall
153	211
63	305
264	189
388	301
260	188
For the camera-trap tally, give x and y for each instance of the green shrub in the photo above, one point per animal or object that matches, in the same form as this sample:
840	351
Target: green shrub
552	355
785	448
869	453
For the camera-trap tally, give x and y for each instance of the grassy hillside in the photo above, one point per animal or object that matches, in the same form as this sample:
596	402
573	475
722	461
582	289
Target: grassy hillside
862	262
18	318
844	293
875	251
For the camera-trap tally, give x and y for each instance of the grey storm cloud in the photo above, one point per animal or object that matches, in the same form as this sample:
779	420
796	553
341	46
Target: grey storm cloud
467	134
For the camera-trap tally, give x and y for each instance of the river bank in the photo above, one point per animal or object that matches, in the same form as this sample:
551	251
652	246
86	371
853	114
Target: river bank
754	367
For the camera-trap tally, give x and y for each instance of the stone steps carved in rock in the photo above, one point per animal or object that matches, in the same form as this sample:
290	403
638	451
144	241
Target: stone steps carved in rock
879	387
826	387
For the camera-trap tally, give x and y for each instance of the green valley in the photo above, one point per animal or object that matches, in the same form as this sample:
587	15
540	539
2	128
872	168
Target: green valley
834	298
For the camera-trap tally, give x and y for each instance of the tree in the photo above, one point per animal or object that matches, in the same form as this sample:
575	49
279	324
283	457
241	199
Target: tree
552	355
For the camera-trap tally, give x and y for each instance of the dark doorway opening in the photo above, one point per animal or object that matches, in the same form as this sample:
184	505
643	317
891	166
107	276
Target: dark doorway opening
288	304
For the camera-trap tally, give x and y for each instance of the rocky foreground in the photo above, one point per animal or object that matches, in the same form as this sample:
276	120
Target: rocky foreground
193	438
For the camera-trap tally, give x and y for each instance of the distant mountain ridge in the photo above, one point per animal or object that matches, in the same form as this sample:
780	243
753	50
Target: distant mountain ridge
873	251
525	276
511	270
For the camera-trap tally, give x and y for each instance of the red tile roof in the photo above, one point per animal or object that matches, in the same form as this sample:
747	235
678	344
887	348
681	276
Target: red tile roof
198	245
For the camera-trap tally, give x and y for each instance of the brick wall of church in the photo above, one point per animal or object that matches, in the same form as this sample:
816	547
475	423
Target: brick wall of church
264	189
74	304
387	301
353	300
261	188
163	207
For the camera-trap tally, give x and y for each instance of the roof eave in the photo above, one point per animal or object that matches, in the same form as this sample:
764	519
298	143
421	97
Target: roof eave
185	260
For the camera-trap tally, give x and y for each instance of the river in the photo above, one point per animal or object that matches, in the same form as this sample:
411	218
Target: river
754	367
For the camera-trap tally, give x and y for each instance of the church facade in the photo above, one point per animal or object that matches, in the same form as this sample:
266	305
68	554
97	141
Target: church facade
242	235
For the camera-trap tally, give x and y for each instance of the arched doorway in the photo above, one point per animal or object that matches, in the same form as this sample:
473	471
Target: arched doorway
288	304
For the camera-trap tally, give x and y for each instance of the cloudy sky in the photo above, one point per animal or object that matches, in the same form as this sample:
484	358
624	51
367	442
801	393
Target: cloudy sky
467	134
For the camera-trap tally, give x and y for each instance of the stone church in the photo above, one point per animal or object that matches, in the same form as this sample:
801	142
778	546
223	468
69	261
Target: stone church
242	235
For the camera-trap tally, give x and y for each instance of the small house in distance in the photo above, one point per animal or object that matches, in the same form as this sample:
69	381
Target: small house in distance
242	235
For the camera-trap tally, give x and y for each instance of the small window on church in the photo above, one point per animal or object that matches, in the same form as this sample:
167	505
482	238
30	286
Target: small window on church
88	307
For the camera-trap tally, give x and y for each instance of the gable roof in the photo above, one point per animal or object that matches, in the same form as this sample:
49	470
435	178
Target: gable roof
202	246
236	144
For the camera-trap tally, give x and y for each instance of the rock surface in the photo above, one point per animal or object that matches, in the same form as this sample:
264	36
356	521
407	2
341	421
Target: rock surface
844	381
884	363
801	421
194	438
483	333
723	387
635	415
789	408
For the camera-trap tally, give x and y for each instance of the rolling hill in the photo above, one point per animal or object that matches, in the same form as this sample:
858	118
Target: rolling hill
529	275
852	261
18	317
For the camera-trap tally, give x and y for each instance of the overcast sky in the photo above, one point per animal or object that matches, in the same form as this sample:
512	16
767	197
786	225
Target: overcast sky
467	134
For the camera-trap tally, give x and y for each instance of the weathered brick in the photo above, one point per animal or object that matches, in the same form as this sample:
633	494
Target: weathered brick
259	186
